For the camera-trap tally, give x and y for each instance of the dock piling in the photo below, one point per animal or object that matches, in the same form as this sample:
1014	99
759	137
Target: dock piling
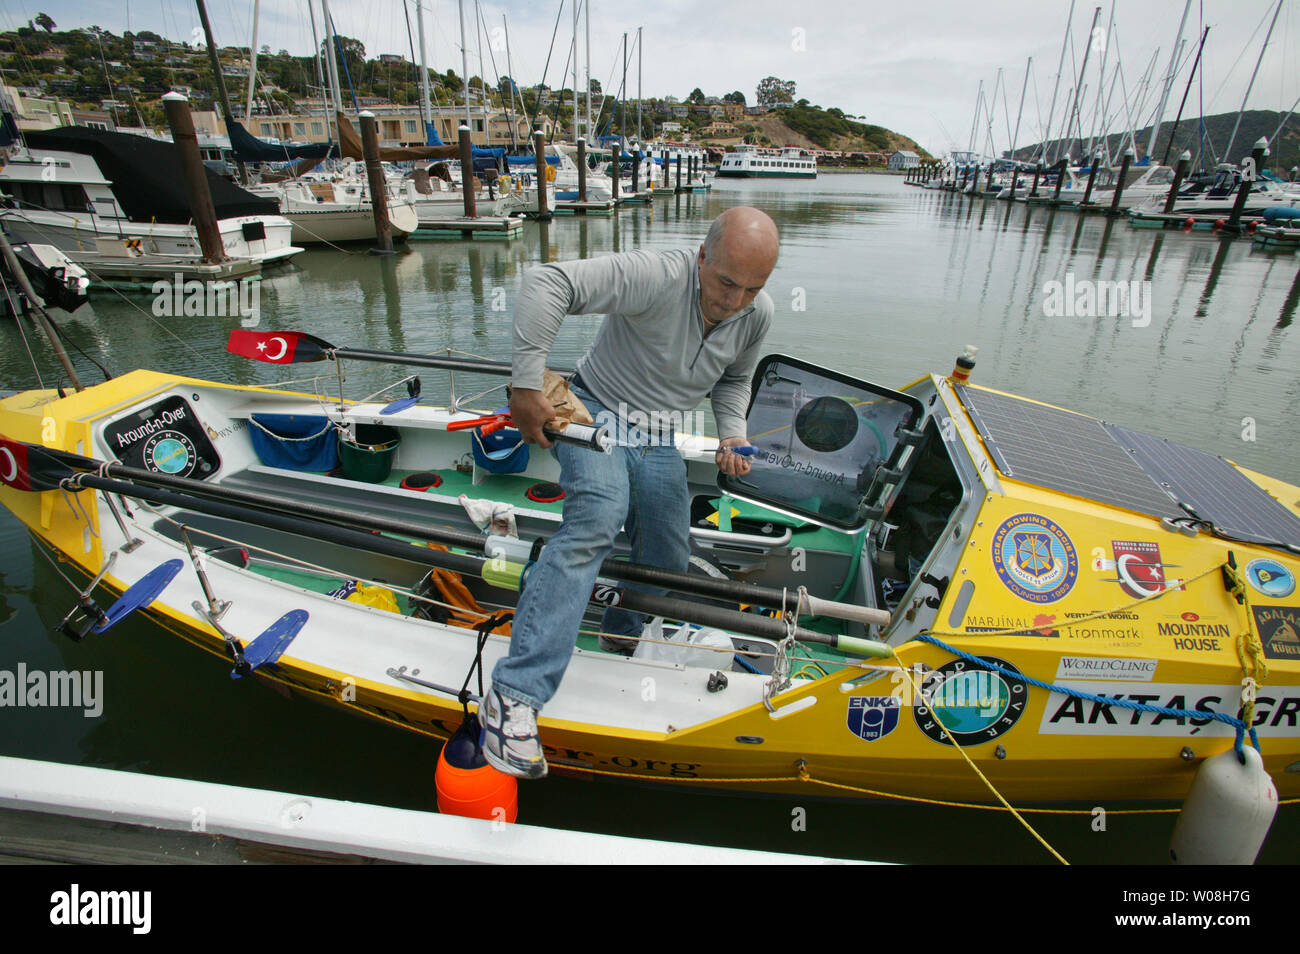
467	172
1257	156
539	154
181	122
582	170
1180	172
1119	184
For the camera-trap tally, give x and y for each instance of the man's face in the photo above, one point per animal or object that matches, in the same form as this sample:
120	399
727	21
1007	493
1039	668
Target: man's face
729	282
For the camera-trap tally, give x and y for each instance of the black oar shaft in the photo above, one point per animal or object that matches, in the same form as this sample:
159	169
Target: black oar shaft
616	569
748	623
447	363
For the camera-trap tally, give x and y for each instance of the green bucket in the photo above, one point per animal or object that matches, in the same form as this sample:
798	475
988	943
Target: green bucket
370	457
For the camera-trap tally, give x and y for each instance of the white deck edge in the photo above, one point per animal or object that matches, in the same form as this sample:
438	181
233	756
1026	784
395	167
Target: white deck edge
324	824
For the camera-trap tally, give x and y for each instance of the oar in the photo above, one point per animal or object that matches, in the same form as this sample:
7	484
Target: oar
53	462
44	468
298	347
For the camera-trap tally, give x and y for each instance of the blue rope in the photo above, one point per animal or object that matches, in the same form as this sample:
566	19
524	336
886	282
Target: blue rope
1237	724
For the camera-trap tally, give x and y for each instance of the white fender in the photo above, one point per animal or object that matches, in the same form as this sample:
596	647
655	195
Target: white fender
1227	813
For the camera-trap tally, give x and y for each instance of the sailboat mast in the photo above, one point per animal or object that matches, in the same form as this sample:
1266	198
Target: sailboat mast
464	61
1023	89
511	70
1060	69
1179	118
1101	84
252	65
1169	79
1227	153
320	77
1078	88
573	56
220	80
586	18
331	58
638	86
426	103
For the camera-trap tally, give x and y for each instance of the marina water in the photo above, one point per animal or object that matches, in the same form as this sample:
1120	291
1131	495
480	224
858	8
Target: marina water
876	279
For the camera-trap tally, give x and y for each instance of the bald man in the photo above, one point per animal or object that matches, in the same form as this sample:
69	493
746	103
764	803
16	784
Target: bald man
679	325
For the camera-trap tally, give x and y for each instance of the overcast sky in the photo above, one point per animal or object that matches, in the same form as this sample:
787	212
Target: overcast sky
910	66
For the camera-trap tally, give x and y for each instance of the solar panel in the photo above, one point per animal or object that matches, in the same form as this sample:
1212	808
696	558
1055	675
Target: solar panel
1214	489
1064	451
1081	455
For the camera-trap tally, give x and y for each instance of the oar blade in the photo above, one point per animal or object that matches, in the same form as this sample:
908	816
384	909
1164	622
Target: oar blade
277	347
271	644
140	594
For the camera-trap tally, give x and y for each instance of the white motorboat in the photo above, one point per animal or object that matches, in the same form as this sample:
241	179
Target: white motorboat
73	187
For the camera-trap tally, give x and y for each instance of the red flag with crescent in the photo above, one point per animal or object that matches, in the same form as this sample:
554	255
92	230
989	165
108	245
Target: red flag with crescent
13	465
277	347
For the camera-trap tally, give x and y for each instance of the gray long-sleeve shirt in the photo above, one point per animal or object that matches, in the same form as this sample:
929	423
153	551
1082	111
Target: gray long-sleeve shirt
651	353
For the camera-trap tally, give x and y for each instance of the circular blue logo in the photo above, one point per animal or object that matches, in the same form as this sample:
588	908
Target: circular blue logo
1034	558
975	704
1270	577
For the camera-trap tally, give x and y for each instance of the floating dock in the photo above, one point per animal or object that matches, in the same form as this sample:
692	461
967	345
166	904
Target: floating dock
497	227
140	272
76	814
590	207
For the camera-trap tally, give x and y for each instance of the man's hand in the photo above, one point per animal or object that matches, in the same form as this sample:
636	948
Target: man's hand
530	411
733	465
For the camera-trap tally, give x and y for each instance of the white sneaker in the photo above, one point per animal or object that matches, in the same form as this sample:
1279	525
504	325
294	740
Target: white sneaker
509	738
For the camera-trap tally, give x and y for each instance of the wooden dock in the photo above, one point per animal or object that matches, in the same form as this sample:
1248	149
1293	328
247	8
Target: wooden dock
76	814
494	227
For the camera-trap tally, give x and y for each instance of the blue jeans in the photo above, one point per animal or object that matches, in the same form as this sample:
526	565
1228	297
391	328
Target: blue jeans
640	486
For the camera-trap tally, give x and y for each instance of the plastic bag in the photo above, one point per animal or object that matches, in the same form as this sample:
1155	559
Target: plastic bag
685	644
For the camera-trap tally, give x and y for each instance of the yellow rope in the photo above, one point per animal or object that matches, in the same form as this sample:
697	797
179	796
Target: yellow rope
803	774
1100	614
916	690
1250	651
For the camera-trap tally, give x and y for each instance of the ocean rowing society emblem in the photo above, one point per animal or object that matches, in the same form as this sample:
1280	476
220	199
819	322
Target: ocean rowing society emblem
1034	558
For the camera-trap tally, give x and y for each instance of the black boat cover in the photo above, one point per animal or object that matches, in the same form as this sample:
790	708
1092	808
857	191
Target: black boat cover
147	177
249	148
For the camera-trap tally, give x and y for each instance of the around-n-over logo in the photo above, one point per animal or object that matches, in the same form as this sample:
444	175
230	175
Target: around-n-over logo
1035	558
974	704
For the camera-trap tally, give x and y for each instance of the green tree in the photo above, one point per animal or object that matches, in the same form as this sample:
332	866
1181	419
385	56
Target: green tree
45	23
736	98
696	98
772	90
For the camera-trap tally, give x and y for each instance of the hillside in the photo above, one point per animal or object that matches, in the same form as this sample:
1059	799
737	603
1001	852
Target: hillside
813	128
1255	123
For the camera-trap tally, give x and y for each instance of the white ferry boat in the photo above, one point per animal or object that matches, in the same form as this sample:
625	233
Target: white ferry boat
752	162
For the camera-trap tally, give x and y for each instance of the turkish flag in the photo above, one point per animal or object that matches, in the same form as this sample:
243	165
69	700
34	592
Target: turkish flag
277	347
13	465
